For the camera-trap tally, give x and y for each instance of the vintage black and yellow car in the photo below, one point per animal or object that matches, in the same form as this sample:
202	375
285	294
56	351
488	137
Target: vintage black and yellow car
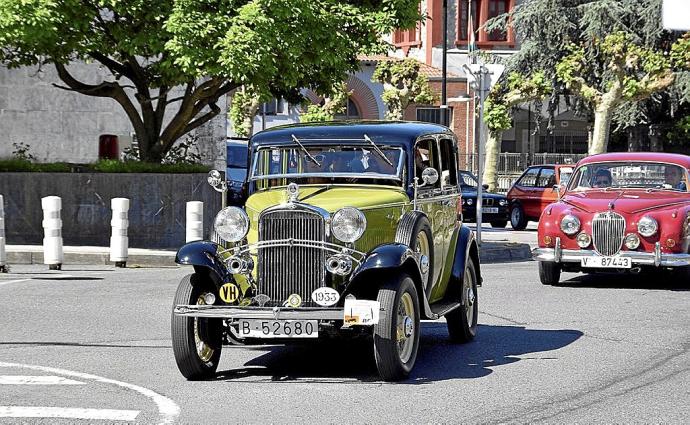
349	230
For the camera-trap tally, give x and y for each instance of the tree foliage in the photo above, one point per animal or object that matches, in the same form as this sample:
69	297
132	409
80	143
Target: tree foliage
171	61
403	84
332	105
245	105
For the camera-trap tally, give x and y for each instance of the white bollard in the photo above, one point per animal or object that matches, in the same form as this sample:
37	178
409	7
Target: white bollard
52	230
3	256
119	242
195	221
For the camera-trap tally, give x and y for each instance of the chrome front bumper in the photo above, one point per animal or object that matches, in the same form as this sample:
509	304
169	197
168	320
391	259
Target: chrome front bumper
270	313
656	258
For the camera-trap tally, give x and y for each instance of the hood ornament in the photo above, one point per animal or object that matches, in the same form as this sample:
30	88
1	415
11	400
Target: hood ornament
292	192
611	206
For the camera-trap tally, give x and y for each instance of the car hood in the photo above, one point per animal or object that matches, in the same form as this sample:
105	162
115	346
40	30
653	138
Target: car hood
625	200
331	197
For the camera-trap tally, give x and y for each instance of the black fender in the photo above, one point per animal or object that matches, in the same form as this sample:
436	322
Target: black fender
391	256
203	255
465	250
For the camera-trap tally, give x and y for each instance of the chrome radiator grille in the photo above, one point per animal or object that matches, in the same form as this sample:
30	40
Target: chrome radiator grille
286	270
608	232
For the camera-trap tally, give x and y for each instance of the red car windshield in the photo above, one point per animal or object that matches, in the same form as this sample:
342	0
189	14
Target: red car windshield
641	175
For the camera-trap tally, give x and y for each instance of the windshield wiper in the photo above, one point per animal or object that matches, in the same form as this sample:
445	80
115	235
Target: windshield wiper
378	151
306	152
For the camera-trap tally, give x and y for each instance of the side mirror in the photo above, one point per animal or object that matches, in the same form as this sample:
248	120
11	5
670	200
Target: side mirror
216	181
558	189
429	176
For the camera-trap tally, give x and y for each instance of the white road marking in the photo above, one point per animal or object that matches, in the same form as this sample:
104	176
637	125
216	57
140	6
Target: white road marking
67	412
36	380
7	282
167	409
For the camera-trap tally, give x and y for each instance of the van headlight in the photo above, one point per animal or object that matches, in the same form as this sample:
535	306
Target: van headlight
570	224
231	224
348	224
647	226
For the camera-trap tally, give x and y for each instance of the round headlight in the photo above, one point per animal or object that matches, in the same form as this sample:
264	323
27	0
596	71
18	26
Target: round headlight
348	224
464	201
503	202
570	224
231	224
632	241
583	240
470	201
647	226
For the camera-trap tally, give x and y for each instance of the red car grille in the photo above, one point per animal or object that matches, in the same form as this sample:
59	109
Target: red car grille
608	233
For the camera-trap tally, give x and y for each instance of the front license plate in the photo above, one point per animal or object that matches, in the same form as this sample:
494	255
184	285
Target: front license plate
606	262
490	210
279	328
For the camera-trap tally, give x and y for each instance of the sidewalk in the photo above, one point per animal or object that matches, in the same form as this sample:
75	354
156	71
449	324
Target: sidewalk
96	255
506	245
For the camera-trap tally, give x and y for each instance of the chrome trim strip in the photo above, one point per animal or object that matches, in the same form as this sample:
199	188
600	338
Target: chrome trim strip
302	243
642	258
271	313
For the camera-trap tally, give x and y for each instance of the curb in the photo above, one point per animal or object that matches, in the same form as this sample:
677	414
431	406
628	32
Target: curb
134	259
504	252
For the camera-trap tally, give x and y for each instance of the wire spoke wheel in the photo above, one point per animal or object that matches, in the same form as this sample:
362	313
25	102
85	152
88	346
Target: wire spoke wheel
405	327
203	350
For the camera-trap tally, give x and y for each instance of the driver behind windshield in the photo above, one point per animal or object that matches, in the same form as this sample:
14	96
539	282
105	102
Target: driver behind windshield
602	178
674	178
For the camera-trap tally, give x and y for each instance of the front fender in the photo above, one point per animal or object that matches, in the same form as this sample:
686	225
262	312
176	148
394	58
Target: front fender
203	255
465	250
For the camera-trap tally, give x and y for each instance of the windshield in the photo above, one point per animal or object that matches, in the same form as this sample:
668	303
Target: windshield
327	164
644	175
467	181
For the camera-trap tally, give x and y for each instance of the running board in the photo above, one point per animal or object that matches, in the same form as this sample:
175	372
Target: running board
442	308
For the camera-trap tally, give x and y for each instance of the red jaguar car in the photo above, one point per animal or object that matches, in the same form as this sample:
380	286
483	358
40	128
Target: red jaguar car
620	211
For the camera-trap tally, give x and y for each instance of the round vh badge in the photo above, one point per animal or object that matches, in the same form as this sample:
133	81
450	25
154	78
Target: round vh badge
229	292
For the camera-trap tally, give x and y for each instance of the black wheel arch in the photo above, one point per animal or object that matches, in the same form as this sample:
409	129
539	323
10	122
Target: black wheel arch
203	255
466	250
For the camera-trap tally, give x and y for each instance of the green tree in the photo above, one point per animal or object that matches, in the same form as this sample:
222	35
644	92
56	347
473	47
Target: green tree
549	28
403	84
334	104
245	105
171	61
514	90
620	71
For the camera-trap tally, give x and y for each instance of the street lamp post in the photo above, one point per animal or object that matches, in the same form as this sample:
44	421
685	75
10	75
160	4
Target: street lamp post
444	67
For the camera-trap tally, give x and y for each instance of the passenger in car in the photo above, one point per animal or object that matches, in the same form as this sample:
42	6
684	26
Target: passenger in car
674	178
602	178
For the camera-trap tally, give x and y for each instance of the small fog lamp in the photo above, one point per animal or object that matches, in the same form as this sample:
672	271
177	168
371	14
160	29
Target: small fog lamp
583	240
632	241
209	298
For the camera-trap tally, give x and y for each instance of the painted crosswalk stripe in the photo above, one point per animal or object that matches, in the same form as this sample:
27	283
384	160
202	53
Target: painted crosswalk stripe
67	413
36	380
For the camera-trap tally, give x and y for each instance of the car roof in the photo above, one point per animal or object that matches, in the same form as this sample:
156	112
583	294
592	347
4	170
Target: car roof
396	133
672	158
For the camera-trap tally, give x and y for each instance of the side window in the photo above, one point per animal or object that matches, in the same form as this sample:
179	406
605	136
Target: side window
529	179
425	155
449	172
547	178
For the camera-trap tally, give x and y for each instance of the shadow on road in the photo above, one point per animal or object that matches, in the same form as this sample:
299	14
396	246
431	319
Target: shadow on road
438	359
659	280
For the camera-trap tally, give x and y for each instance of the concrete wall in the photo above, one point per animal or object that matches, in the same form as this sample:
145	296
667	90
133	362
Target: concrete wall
156	214
61	125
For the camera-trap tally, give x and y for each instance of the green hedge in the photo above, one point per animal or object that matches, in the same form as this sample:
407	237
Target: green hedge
103	166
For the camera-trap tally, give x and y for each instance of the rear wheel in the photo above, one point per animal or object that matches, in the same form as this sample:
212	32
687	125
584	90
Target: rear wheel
462	322
196	342
518	219
549	272
414	231
396	336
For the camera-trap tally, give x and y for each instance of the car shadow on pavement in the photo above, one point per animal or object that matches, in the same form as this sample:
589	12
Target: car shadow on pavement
438	359
659	281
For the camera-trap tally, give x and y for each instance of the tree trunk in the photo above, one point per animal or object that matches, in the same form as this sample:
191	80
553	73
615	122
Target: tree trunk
493	150
600	135
248	121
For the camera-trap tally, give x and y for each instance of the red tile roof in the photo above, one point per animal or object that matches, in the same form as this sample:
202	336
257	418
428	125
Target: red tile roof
428	70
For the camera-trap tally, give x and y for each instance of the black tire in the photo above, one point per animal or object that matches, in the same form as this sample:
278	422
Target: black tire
518	219
187	330
409	228
501	224
549	272
462	322
393	361
681	276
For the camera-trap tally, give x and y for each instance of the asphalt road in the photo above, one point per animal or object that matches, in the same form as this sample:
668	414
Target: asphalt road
94	343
